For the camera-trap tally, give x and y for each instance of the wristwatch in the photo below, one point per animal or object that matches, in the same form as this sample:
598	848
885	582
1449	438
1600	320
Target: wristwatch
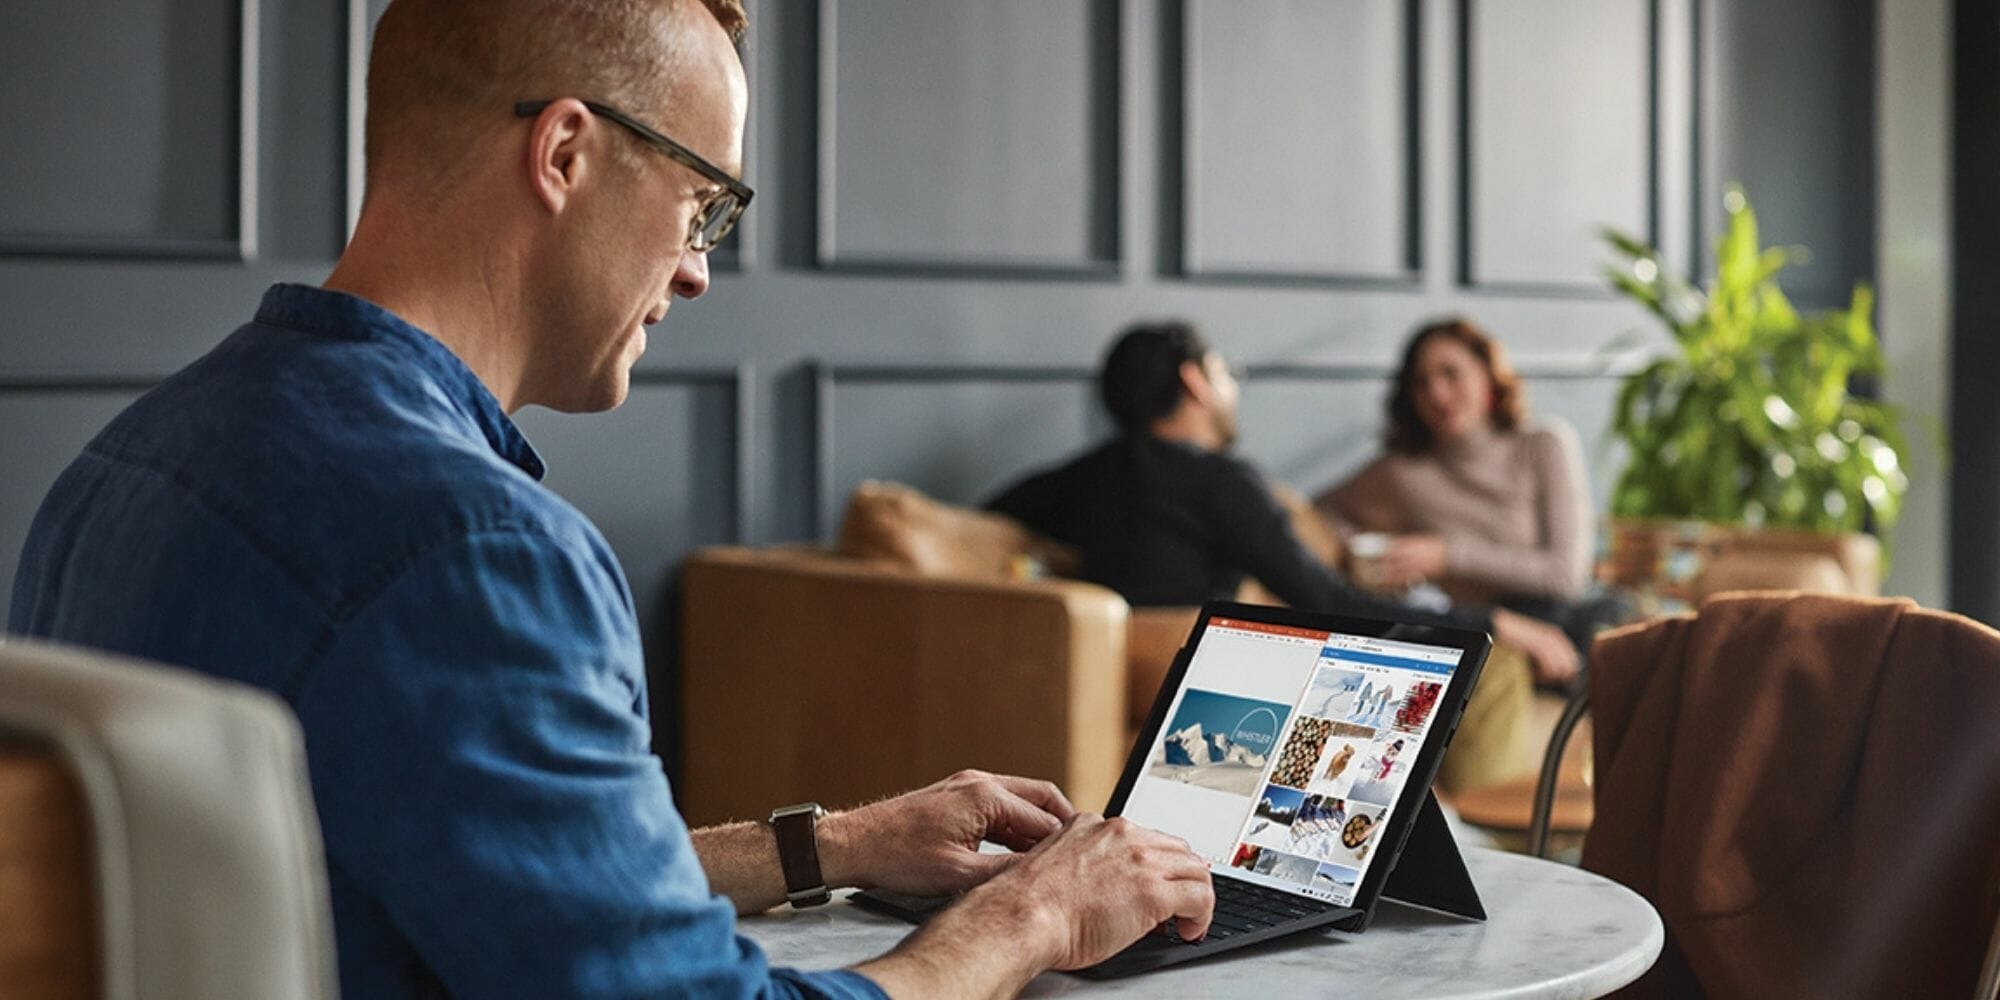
796	828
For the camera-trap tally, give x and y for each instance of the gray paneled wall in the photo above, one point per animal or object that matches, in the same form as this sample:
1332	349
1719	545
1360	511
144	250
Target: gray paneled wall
1788	110
958	204
963	434
1012	102
1539	185
141	130
45	428
1319	182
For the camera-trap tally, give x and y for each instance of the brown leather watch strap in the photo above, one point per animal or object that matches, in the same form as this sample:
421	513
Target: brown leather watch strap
796	829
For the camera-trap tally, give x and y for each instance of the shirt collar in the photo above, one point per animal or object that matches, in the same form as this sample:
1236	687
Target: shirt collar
329	313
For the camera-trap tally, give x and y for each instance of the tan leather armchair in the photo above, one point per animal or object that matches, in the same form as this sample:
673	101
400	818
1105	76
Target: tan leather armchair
809	675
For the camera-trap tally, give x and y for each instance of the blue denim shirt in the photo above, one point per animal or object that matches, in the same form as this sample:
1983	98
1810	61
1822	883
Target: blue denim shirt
331	506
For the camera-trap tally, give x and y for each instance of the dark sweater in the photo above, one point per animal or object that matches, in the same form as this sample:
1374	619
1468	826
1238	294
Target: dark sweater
1164	523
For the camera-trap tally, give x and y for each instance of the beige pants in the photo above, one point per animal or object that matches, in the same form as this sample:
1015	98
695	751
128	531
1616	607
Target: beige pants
1494	742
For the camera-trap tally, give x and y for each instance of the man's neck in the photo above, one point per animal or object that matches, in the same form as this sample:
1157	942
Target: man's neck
1191	427
444	292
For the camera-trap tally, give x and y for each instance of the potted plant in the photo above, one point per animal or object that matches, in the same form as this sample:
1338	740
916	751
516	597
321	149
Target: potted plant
1746	442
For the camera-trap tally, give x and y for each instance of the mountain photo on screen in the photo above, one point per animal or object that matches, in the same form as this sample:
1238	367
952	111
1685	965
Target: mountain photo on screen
1220	742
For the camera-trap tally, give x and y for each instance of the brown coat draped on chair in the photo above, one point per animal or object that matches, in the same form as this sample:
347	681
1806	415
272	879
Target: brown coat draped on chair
1808	789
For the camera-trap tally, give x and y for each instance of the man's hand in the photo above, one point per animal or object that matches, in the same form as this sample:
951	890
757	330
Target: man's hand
1104	882
923	843
1548	648
1076	899
926	842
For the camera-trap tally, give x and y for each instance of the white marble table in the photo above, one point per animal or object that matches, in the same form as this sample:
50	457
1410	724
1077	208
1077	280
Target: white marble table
1552	931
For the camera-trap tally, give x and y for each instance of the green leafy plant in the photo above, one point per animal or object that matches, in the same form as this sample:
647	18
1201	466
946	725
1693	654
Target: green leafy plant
1752	420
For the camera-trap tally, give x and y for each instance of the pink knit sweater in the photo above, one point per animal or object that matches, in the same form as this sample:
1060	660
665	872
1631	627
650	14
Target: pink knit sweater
1513	507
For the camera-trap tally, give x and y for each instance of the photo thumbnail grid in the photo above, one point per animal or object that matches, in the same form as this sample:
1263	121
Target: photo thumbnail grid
1344	759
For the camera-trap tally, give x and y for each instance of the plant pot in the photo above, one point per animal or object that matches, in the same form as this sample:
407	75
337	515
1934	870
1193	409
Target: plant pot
1683	562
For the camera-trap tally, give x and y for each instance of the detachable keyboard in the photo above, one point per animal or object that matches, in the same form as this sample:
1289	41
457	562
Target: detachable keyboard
1245	913
1246	907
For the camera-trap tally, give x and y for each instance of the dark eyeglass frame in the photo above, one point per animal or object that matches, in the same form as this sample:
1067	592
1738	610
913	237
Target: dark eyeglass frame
735	192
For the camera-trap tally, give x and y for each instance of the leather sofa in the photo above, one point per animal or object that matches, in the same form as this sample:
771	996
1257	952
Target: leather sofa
929	638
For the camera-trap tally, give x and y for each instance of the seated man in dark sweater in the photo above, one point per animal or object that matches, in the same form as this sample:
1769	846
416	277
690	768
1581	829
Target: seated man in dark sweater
1164	515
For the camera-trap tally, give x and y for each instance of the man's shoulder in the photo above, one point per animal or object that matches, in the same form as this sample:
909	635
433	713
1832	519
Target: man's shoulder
1078	470
322	473
1218	466
1155	460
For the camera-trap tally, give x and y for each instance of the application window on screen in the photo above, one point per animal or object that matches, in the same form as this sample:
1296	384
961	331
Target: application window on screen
1287	748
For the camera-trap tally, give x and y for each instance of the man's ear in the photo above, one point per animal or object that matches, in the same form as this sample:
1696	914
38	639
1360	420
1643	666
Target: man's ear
557	162
1195	383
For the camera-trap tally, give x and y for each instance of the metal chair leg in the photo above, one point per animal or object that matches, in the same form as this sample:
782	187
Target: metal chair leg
1989	975
1545	788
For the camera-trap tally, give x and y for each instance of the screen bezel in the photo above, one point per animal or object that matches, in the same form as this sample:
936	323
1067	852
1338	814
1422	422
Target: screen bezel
1473	649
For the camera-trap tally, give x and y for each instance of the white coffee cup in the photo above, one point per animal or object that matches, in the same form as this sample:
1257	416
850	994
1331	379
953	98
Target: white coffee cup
1364	553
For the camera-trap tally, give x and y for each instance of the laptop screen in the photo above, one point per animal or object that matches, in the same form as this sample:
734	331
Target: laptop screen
1285	751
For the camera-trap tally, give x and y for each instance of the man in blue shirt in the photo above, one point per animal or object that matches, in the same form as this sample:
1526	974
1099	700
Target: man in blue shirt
334	505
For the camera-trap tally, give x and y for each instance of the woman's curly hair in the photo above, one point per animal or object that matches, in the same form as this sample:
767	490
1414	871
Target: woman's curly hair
1407	432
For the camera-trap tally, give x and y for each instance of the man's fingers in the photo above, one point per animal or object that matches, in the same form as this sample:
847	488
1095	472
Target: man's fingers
1073	826
1557	659
1182	890
1018	823
1559	665
1183	878
981	866
1193	907
1043	794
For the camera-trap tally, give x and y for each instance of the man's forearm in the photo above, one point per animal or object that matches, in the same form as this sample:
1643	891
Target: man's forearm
993	952
962	954
741	860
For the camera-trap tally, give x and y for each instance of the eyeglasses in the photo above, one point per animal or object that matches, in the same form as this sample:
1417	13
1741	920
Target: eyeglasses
718	215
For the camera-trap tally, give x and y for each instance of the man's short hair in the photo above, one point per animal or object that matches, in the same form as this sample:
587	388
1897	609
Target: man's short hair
442	71
1141	376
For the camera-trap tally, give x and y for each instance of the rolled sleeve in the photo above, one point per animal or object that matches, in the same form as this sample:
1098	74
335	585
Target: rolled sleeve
482	772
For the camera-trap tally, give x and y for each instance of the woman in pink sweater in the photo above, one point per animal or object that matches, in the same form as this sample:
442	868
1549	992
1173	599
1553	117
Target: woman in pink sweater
1482	502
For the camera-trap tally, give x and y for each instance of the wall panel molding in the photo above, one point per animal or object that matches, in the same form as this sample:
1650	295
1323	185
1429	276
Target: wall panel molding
829	378
1361	174
1797	132
241	243
741	382
1096	195
28	382
361	17
1551	185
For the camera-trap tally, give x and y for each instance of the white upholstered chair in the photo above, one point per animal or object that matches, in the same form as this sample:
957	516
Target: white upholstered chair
157	836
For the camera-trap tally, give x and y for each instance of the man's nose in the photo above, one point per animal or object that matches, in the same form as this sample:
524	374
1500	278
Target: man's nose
691	277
